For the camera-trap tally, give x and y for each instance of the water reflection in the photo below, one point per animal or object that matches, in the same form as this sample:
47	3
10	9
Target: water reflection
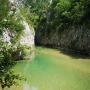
26	86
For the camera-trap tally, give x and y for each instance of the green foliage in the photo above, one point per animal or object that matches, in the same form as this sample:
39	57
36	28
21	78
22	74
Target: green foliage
14	26
58	12
11	23
62	13
65	23
4	8
7	77
37	9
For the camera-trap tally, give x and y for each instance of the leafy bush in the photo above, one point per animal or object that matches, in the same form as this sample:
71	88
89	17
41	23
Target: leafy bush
4	8
7	61
7	77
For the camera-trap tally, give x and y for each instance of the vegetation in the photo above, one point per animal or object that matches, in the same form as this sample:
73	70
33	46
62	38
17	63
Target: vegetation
8	22
3	9
7	77
58	23
65	24
63	12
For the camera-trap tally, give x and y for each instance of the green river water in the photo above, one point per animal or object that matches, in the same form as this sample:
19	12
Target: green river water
52	70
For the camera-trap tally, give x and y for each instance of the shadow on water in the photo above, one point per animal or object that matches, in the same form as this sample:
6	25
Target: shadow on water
72	53
75	54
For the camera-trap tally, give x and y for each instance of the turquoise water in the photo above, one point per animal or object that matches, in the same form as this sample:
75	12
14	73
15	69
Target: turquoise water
52	70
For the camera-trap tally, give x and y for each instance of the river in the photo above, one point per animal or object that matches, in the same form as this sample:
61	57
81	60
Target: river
52	70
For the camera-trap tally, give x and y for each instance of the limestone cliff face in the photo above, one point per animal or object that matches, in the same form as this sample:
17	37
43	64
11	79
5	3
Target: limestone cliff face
24	44
74	38
28	35
27	38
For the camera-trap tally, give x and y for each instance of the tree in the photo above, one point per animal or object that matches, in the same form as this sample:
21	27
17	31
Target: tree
4	8
66	24
10	22
37	10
